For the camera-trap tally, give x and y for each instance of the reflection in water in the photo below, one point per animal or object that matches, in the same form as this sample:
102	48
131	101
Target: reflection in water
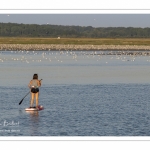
75	67
33	113
34	122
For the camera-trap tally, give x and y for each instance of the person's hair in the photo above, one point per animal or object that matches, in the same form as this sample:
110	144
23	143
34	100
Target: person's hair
35	76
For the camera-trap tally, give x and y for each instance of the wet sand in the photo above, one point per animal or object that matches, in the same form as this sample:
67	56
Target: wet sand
121	49
71	47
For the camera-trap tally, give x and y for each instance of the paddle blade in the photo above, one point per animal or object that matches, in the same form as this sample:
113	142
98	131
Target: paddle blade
20	102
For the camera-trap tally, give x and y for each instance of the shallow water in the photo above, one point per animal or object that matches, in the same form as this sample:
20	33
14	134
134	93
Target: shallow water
84	94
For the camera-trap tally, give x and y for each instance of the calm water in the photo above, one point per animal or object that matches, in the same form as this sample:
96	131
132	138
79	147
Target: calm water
84	94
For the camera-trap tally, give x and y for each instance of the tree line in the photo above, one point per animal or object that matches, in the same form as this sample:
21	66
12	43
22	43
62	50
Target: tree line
46	30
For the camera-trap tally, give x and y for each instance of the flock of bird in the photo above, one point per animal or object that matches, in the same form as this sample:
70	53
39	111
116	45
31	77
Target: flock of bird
63	55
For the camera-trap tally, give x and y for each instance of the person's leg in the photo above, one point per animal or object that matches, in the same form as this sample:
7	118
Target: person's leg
32	99
37	99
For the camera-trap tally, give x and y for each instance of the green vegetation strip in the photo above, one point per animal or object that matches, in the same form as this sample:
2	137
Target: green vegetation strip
76	41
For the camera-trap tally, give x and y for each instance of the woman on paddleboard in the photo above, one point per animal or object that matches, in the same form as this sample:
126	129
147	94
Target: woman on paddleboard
34	86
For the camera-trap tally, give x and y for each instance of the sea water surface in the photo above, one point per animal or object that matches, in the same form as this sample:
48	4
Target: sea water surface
84	93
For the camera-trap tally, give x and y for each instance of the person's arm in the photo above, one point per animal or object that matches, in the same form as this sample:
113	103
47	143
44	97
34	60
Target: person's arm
39	83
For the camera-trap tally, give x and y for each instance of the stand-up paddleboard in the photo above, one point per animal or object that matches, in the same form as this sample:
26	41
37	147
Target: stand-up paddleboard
40	107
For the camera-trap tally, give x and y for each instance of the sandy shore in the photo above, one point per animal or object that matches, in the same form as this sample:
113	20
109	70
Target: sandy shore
35	47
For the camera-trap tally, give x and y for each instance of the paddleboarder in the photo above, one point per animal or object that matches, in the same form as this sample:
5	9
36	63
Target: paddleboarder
34	85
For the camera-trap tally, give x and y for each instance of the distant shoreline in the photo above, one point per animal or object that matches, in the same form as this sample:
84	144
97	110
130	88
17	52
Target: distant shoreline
69	47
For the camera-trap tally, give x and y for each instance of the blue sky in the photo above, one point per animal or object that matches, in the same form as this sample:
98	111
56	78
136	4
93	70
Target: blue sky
95	20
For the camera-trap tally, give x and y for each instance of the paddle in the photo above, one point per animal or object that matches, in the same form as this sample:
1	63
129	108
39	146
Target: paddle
26	95
23	98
